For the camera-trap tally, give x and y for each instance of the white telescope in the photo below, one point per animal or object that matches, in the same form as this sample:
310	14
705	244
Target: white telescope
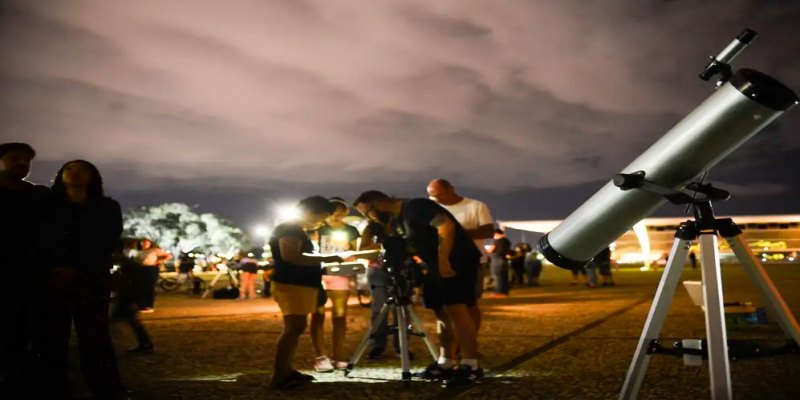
744	104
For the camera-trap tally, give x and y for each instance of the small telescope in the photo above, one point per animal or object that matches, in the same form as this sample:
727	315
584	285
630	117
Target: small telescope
744	103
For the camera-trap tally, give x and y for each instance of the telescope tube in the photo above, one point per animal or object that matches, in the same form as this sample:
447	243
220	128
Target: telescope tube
738	110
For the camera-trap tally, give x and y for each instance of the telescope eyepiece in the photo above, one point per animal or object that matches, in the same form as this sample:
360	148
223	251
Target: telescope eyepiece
721	64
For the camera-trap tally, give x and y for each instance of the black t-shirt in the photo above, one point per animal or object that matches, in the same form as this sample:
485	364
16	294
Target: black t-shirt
25	237
414	224
603	257
334	240
248	264
502	247
86	235
186	264
517	258
285	272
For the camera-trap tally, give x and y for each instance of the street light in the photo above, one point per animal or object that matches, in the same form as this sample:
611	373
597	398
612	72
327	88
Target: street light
261	231
285	212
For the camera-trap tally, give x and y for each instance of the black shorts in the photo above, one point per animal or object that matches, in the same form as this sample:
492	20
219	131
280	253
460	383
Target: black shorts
459	289
253	269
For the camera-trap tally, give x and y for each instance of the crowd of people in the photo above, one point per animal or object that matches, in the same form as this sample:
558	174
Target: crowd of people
443	234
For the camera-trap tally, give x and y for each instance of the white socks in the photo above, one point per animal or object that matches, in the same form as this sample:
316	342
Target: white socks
446	363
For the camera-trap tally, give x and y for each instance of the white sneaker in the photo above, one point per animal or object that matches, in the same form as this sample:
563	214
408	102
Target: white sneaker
323	364
340	365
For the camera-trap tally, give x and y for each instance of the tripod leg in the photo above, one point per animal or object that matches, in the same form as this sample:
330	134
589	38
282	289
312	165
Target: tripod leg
718	362
655	319
233	278
362	347
402	332
417	323
758	275
211	285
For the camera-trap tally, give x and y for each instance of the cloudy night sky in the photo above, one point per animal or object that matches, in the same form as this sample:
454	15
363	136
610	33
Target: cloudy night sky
238	105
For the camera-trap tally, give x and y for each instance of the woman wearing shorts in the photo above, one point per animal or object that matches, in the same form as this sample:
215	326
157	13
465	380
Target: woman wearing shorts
334	237
296	283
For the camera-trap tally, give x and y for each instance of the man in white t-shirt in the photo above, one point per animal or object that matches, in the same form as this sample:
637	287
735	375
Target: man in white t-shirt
474	216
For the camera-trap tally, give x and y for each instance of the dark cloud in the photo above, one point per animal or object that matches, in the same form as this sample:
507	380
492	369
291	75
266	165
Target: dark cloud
520	102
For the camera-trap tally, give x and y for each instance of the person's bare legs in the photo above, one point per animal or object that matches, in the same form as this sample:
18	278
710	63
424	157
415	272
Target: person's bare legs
293	327
476	315
463	330
339	317
317	331
447	341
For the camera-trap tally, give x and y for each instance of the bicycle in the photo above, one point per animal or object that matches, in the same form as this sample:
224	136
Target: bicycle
171	283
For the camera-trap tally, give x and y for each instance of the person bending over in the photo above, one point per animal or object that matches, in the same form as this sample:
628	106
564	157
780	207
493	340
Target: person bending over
452	262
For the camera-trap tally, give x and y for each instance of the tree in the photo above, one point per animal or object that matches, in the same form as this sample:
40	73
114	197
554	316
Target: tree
176	226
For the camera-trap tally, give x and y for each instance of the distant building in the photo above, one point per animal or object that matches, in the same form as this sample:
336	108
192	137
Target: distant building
775	238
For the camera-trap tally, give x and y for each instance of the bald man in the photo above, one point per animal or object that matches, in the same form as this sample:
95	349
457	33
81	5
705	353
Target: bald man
476	219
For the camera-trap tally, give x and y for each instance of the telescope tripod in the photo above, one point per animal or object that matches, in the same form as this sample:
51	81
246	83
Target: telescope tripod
705	229
407	322
220	272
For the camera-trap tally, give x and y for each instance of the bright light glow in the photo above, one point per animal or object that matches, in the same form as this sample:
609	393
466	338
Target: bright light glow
632	258
773	257
264	254
766	244
261	230
339	235
285	213
250	254
640	230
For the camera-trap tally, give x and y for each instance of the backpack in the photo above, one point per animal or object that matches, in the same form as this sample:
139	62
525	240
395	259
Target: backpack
229	292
